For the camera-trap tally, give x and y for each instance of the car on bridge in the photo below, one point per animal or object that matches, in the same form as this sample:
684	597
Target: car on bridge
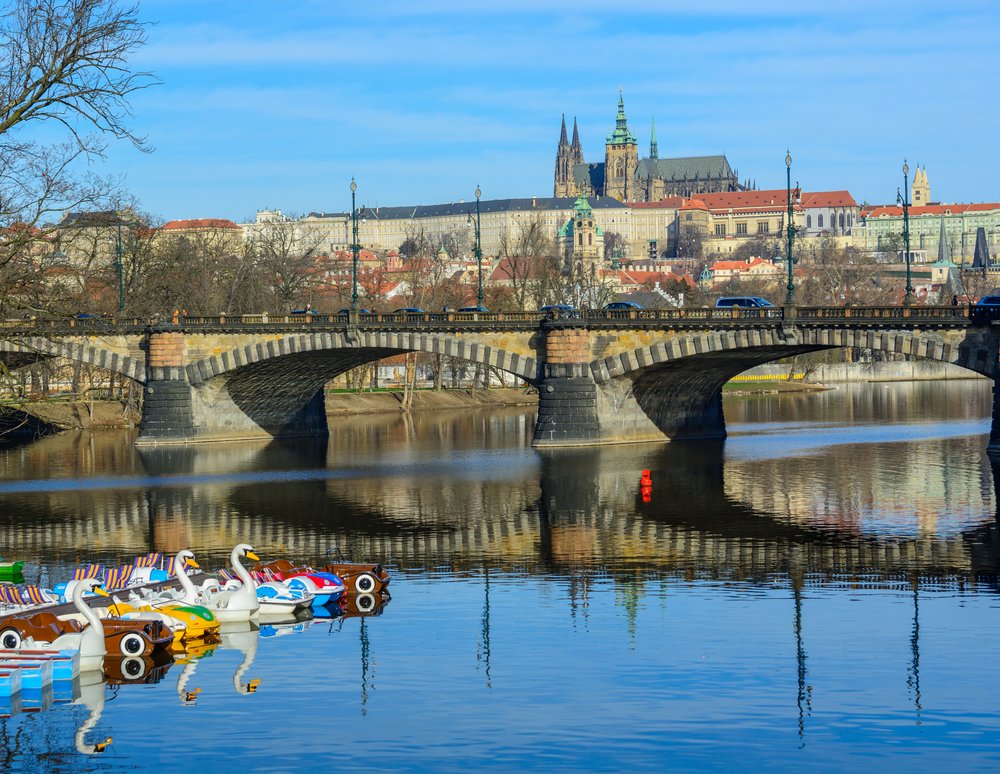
987	308
743	302
481	309
409	310
360	311
621	306
305	311
553	311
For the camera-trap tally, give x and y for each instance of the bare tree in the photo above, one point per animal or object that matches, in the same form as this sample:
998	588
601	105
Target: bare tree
64	64
528	260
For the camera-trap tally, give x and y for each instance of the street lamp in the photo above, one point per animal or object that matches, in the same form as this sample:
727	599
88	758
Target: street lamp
790	288
119	268
479	248
904	199
354	248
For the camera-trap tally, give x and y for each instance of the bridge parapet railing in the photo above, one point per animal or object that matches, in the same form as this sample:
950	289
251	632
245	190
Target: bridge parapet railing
71	325
901	313
694	314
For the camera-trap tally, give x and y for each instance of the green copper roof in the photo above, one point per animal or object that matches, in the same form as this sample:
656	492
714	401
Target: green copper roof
621	134
653	152
582	207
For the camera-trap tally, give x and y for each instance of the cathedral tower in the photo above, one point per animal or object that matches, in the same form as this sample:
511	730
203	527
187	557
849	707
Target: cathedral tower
621	157
564	163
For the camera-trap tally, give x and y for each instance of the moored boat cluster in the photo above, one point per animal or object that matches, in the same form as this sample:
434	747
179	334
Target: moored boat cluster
131	623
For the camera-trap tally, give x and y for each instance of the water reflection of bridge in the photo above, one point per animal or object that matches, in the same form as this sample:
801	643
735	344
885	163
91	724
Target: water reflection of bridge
557	513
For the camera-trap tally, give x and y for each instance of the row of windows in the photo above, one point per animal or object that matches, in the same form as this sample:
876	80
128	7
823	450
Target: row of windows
833	221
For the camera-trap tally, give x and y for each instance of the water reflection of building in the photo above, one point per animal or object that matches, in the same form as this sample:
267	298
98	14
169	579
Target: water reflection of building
567	513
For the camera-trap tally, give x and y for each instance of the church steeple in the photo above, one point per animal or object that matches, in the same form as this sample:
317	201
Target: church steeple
653	152
563	185
576	148
621	134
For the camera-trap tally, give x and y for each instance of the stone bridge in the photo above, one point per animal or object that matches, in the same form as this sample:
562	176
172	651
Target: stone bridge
603	377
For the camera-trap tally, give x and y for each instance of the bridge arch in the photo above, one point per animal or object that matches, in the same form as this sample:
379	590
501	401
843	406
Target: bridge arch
25	351
749	347
357	348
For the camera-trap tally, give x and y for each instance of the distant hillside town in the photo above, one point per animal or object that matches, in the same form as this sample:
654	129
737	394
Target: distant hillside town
674	229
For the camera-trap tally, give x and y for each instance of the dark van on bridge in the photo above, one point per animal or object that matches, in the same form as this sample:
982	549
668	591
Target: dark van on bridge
986	308
743	302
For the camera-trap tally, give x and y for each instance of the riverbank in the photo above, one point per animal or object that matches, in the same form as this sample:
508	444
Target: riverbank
115	415
427	400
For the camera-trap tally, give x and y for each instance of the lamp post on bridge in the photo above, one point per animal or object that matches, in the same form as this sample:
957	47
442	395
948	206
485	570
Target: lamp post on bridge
119	268
904	200
479	248
790	287
354	248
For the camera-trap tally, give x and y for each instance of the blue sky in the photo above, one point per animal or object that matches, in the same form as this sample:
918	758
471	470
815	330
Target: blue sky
267	104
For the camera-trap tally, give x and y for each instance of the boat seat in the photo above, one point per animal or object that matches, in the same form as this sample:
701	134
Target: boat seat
46	619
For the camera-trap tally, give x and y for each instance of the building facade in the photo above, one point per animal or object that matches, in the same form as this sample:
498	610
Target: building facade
882	227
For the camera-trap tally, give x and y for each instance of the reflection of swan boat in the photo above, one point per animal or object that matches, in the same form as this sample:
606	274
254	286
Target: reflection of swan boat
137	669
92	697
281	630
246	642
356	606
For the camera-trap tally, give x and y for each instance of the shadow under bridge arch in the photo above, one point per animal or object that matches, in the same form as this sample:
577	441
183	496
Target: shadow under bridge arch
673	389
275	388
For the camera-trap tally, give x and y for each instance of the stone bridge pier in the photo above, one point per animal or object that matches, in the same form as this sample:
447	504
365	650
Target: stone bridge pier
259	403
581	403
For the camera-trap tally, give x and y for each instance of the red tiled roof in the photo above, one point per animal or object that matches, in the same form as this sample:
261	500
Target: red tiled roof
730	266
896	211
667	203
198	223
827	199
773	199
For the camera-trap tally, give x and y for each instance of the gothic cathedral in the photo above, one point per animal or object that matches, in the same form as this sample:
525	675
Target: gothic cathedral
626	177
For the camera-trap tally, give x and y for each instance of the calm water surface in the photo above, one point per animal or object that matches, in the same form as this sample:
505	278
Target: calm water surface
820	590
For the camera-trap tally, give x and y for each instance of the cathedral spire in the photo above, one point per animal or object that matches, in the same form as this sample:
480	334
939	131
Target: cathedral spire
562	133
653	152
576	149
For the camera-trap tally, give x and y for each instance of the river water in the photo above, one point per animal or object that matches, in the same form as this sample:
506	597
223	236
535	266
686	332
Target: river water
820	590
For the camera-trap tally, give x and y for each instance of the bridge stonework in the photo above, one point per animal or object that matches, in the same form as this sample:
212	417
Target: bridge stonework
602	378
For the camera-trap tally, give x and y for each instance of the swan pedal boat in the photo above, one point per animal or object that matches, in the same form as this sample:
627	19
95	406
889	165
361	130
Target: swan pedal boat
235	605
356	577
325	587
90	640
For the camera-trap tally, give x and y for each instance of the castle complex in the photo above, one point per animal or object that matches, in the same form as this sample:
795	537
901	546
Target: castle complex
627	178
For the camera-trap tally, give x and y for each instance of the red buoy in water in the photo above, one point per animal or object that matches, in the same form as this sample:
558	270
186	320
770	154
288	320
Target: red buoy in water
646	479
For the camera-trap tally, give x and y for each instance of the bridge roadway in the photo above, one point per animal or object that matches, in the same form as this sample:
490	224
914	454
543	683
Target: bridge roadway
603	377
583	512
